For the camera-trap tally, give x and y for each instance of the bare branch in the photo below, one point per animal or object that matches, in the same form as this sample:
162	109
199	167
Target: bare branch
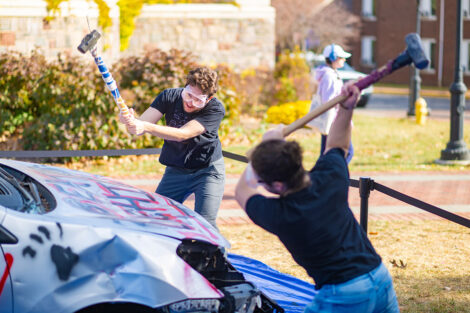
319	21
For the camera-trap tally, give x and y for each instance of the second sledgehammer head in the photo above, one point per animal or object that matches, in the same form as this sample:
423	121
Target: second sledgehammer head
415	50
89	41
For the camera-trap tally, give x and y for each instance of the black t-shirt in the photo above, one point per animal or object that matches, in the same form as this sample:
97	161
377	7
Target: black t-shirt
317	226
197	152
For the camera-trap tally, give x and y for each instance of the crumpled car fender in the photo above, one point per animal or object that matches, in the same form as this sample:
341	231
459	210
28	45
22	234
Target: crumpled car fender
100	265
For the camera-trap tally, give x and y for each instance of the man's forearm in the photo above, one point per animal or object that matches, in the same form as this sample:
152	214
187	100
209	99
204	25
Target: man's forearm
166	132
340	132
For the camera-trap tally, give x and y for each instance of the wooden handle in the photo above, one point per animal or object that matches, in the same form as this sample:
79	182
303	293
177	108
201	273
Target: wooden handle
301	122
122	106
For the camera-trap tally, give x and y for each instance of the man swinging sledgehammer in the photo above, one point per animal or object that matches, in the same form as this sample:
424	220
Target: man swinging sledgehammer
192	150
311	216
313	220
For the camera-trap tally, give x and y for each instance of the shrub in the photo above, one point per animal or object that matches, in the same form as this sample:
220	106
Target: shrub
292	74
61	104
78	112
256	90
20	80
228	94
144	77
64	104
288	112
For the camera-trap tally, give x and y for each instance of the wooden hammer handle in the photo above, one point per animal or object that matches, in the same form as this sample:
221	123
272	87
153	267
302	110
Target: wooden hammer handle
301	122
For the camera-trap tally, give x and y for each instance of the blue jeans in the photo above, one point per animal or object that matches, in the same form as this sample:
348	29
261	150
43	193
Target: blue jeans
369	293
207	184
350	150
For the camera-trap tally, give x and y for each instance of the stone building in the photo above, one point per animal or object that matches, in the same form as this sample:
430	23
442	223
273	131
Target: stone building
239	35
386	23
23	27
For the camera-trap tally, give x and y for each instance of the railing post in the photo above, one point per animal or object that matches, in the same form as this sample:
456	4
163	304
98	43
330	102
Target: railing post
365	186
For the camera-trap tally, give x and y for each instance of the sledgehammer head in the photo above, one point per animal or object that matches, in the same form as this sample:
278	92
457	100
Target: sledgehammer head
414	53
89	41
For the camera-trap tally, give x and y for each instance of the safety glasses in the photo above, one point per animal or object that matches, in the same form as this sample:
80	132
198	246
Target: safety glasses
189	95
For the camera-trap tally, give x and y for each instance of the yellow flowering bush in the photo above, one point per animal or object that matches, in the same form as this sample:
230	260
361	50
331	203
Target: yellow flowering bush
288	112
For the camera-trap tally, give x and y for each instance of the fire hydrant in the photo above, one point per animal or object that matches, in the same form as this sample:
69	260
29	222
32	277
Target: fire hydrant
421	111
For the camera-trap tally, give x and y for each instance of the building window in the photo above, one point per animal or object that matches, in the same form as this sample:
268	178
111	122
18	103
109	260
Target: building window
368	8
466	9
465	56
429	46
367	50
427	8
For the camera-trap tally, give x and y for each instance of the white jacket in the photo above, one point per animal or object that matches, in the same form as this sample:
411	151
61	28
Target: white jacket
329	86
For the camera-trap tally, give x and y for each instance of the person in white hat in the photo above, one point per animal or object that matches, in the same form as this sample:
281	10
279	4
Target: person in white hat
329	86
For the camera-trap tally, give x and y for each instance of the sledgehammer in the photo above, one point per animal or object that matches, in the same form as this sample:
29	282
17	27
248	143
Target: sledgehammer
413	53
89	44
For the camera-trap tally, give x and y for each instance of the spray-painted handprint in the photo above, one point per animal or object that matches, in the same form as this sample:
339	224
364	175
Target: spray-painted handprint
63	258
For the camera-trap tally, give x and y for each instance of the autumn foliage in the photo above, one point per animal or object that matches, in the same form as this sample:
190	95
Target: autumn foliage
63	104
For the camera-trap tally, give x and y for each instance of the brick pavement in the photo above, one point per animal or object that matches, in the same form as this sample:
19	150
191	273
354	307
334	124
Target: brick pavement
449	191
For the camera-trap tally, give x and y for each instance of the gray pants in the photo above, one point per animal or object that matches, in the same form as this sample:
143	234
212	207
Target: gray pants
207	184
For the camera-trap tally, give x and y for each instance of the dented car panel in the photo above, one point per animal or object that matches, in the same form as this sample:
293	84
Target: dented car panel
108	264
72	240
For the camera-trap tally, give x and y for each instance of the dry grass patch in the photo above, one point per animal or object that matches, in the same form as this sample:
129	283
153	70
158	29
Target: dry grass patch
432	260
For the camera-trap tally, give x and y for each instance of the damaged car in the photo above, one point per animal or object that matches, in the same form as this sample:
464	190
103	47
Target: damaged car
77	242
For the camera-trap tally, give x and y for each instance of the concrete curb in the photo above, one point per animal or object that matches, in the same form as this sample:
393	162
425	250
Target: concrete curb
405	91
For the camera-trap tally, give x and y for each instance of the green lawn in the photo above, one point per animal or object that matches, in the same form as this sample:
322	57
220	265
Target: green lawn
388	144
385	144
432	260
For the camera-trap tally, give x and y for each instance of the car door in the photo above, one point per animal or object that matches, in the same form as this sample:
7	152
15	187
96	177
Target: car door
6	262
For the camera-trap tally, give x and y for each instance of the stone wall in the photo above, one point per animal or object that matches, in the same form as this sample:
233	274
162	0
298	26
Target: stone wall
241	36
23	27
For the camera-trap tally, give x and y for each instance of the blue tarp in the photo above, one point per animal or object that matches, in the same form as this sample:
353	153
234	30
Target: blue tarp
291	293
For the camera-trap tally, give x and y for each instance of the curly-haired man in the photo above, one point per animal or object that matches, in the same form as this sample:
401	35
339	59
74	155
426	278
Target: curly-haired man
192	150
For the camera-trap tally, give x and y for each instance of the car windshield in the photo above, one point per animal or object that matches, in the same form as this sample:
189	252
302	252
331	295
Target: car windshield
21	193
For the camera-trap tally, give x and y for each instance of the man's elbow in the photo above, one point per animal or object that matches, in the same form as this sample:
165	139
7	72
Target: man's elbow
344	147
239	197
237	194
179	139
182	136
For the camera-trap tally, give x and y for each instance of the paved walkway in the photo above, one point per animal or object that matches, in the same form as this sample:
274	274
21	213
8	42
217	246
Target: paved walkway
449	191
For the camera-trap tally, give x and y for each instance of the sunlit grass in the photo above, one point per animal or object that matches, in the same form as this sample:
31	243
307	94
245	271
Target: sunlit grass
385	144
399	144
390	144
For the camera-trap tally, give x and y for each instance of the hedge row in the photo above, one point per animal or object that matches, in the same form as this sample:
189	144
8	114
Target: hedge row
64	104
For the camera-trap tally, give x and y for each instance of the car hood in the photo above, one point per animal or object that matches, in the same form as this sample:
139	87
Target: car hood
94	200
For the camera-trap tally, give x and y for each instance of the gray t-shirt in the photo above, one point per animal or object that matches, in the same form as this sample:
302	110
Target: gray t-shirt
197	152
